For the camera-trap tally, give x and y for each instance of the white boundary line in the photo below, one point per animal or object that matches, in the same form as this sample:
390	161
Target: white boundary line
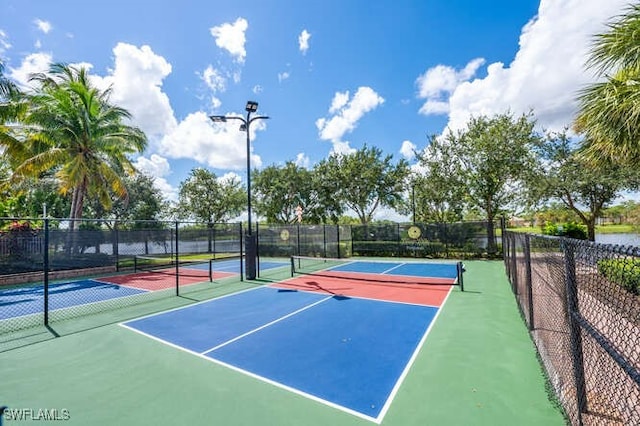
190	305
203	355
277	320
81	305
417	350
253	375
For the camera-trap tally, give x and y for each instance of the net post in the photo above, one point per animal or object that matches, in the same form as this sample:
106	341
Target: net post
460	276
293	267
211	270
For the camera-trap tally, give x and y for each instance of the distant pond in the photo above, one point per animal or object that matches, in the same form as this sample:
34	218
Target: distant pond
620	239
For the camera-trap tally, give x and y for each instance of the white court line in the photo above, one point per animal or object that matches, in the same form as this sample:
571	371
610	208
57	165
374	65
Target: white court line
417	350
191	304
304	308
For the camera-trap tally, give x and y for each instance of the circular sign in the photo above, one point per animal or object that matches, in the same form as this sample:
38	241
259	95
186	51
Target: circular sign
284	235
414	232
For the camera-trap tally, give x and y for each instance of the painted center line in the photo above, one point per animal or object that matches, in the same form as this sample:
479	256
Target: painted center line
248	333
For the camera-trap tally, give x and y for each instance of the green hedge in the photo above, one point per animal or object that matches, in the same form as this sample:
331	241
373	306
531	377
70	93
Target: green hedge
625	272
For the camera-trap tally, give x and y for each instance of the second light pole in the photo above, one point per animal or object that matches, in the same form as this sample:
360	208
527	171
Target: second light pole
251	243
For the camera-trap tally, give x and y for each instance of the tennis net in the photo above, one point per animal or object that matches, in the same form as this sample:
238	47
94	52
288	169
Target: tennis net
381	271
201	268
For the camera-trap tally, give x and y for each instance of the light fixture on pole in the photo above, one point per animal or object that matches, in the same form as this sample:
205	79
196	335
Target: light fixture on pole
251	244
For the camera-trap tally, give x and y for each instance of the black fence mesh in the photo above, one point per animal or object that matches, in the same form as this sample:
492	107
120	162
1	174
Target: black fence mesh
57	269
304	240
436	240
580	301
53	270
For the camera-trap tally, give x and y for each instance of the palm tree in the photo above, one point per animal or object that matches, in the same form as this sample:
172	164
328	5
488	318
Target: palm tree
12	107
609	111
75	131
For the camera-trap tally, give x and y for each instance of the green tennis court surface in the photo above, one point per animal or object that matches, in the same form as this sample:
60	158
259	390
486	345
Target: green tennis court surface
477	367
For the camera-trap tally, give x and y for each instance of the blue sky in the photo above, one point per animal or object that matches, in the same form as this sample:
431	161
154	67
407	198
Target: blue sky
333	75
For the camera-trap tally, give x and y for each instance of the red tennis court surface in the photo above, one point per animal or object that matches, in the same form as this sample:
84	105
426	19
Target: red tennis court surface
397	291
154	281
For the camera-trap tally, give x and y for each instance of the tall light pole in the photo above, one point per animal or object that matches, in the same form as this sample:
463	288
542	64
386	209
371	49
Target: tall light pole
251	244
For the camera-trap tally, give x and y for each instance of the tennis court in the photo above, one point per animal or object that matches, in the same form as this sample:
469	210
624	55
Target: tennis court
324	347
341	343
29	299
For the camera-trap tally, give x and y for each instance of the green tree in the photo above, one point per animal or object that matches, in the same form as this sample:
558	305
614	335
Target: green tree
205	197
494	152
144	202
364	180
438	190
609	111
584	187
280	191
73	129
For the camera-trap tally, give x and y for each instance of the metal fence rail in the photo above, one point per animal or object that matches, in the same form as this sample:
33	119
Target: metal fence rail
57	269
467	239
580	302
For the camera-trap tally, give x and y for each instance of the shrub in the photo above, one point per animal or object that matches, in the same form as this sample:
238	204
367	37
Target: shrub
625	272
567	229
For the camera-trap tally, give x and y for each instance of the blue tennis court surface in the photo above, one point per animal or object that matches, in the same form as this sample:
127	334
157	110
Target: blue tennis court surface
348	353
439	270
30	300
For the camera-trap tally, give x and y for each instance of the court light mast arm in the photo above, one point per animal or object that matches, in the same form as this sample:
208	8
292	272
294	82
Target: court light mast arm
251	243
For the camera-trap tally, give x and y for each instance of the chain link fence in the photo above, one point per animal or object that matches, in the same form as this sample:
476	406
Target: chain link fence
434	240
580	302
54	269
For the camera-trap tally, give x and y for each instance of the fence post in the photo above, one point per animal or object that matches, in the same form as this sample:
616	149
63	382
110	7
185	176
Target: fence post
116	244
514	267
257	249
571	286
528	281
324	240
338	238
177	262
241	251
45	267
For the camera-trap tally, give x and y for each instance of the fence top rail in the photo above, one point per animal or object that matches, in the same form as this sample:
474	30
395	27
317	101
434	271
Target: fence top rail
623	249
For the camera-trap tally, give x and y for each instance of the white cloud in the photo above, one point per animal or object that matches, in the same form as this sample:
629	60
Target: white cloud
33	63
339	101
302	160
214	80
257	89
155	165
4	42
303	41
342	147
282	76
347	112
546	73
408	149
231	38
158	167
229	177
137	86
439	82
43	26
218	145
